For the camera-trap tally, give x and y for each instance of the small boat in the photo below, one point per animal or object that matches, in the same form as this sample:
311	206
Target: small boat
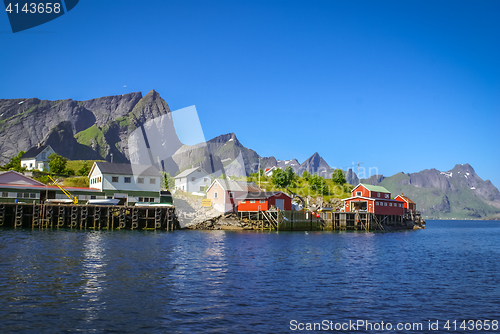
60	201
153	204
103	201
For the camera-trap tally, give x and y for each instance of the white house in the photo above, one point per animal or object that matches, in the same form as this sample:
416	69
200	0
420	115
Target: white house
134	183
269	171
193	180
36	157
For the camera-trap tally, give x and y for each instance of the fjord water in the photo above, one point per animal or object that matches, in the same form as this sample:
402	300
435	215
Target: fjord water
231	282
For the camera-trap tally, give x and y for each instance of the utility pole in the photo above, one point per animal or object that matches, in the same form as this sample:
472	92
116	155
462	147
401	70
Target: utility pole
259	171
359	163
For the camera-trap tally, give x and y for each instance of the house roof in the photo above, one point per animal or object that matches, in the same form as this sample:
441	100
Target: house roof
189	171
406	199
373	188
238	186
13	178
260	195
34	152
125	169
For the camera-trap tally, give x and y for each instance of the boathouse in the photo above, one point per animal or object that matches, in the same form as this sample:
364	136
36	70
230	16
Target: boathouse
16	187
263	201
223	193
409	205
373	199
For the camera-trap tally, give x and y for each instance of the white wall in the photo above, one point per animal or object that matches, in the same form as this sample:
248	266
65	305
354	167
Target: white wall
108	184
26	163
201	179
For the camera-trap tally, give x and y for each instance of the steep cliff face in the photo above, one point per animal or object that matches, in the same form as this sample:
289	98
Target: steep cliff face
99	127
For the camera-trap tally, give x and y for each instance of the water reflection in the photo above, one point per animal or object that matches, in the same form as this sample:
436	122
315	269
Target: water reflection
94	272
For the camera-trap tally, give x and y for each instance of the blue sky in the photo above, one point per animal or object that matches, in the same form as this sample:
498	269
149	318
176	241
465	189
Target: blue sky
397	85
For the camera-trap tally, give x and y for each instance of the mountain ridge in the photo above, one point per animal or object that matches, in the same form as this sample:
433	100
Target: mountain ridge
132	128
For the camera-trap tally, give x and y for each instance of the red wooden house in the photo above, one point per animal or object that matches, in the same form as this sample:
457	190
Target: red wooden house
262	201
408	203
373	199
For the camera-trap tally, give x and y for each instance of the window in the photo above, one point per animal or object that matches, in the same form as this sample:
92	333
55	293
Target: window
215	195
114	179
152	181
390	204
378	194
263	201
32	195
5	194
19	195
44	155
141	199
386	195
202	188
193	178
92	197
243	202
205	179
216	185
231	195
358	193
252	201
385	204
127	179
140	180
109	197
31	165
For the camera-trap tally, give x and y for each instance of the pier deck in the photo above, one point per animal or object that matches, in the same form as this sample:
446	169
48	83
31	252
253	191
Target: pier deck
50	215
306	221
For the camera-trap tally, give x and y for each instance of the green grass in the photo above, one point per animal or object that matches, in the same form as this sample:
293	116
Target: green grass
302	187
93	135
81	181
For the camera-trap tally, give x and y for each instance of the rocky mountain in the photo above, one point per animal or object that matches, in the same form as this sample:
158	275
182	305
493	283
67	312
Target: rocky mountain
285	163
140	129
92	129
316	164
457	193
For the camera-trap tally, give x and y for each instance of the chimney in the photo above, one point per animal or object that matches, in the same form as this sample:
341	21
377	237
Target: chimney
38	145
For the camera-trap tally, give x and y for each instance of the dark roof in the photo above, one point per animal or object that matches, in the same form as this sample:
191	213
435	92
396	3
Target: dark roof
127	169
260	195
33	152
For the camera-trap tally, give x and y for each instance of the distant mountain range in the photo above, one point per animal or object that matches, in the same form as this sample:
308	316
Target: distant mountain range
139	129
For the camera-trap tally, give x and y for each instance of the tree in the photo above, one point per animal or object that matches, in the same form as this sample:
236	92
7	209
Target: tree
318	184
15	163
279	178
306	175
168	181
338	177
85	169
283	179
57	164
290	176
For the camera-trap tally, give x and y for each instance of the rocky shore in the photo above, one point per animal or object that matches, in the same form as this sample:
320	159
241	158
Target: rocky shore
193	216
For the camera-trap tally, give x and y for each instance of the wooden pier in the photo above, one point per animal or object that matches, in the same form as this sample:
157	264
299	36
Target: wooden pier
307	221
50	215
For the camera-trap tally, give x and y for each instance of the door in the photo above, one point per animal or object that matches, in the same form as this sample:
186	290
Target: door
280	204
